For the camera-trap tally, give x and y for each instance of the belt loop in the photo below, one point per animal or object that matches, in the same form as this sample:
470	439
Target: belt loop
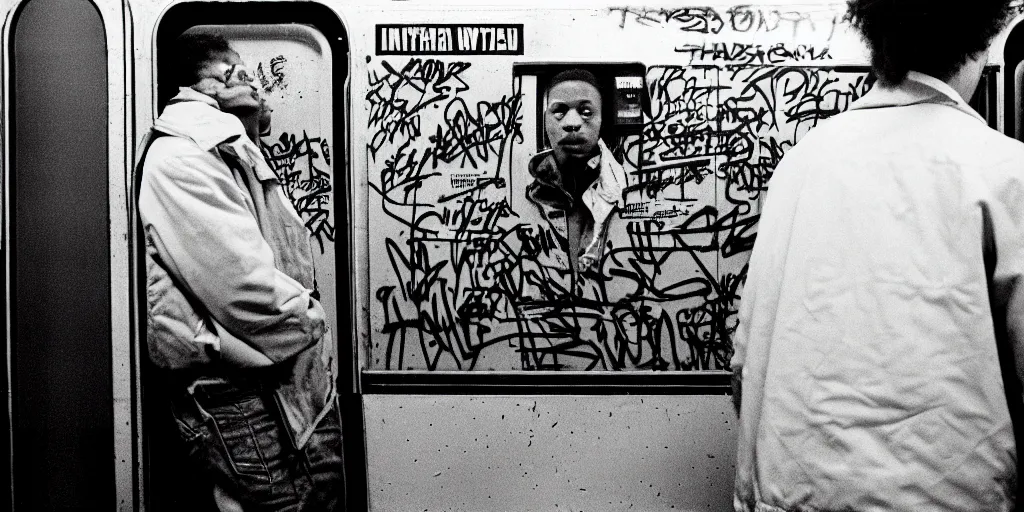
198	383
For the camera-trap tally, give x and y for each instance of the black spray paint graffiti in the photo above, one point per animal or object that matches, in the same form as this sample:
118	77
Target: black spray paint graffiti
307	184
397	97
753	54
465	281
302	164
744	118
738	19
702	20
276	80
422	123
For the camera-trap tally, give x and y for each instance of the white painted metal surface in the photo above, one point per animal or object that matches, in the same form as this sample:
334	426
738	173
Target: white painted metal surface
528	453
123	348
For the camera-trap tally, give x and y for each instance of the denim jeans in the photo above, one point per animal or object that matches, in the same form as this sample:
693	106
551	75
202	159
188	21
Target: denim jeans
236	437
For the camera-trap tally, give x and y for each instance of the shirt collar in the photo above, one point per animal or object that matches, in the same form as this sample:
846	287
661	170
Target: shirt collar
936	84
916	89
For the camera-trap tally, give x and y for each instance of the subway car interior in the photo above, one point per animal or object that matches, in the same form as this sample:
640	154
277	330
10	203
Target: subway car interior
403	133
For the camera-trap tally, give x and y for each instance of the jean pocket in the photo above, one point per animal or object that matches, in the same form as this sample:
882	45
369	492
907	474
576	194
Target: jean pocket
188	433
239	426
193	441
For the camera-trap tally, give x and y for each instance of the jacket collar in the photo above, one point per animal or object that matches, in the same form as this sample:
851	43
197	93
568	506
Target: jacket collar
601	198
916	89
549	187
196	116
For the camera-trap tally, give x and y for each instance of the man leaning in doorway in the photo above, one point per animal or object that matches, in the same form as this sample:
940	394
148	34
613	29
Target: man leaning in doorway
886	283
232	312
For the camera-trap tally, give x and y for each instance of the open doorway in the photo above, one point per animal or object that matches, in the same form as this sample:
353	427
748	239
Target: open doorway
299	55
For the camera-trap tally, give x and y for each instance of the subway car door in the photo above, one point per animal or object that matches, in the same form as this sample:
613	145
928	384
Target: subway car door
66	252
299	58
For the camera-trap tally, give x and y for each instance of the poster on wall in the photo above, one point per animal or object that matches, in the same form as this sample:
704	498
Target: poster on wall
443	39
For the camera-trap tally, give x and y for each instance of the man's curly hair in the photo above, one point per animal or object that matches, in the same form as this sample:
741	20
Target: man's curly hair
934	37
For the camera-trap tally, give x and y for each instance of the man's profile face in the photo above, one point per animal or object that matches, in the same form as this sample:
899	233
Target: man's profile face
572	120
226	79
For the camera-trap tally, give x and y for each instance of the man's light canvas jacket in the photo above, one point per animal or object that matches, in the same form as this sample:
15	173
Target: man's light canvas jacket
562	303
228	262
871	379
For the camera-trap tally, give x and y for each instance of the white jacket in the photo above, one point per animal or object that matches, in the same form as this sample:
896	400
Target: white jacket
229	267
871	379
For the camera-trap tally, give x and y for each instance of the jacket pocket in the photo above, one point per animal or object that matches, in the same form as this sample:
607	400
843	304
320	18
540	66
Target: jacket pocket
177	336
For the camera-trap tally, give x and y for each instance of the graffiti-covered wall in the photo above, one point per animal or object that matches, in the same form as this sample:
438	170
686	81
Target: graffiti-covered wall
465	274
